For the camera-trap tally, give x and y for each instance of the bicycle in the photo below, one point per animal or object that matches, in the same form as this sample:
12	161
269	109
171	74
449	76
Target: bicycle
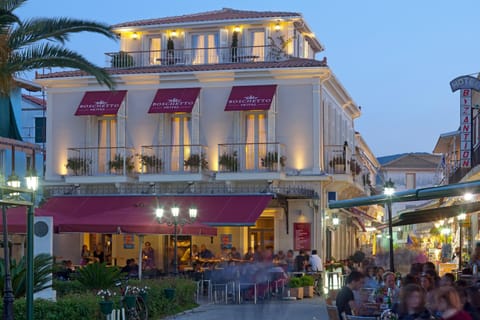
133	303
317	284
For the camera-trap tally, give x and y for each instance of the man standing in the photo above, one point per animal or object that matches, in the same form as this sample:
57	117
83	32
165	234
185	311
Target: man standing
315	262
345	299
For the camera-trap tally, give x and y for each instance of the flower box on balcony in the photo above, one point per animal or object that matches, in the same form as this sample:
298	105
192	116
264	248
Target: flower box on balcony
78	166
228	162
151	163
116	165
270	161
195	162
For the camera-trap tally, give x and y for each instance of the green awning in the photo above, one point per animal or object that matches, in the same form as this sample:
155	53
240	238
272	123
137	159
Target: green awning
433	214
449	190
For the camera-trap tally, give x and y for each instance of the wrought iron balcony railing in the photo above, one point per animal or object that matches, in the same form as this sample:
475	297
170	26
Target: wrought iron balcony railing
193	56
94	161
173	159
251	157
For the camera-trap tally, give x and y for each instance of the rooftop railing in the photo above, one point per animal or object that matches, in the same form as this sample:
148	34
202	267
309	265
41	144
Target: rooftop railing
193	56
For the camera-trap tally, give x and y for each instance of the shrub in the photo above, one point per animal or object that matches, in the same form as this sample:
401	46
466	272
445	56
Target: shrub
42	269
306	281
295	282
229	162
122	60
97	276
64	288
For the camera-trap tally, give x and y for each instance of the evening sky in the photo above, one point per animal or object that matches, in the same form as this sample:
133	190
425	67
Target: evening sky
395	58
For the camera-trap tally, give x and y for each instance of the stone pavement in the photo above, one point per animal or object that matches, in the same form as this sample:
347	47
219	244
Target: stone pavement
305	309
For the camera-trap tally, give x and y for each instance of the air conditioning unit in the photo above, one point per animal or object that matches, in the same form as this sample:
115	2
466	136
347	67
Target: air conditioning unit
43	243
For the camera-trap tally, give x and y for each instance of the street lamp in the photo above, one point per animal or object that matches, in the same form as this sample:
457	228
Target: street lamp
461	217
32	185
389	190
175	220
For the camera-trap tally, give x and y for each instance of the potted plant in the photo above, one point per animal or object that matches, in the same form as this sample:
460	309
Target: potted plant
196	161
170	51
229	162
106	305
122	59
307	284
117	163
235	46
355	167
270	161
296	287
151	163
79	166
338	163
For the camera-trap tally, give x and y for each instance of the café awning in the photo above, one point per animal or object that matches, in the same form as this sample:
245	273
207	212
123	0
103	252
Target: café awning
174	100
244	98
135	214
410	217
99	103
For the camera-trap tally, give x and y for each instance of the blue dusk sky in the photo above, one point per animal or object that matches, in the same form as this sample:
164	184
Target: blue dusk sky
395	58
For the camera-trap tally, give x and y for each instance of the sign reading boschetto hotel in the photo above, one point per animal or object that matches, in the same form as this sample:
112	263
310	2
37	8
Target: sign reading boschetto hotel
465	82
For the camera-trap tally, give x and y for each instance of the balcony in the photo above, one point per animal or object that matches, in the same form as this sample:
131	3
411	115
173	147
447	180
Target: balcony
249	161
95	165
193	56
173	163
347	167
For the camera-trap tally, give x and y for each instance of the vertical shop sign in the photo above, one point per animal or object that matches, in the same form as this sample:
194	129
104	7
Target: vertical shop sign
301	236
465	84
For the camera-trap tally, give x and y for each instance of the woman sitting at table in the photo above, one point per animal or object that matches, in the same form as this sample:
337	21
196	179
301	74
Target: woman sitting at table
412	304
449	305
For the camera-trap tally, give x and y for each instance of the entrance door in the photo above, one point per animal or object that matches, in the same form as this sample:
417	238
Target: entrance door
262	234
107	143
181	140
205	48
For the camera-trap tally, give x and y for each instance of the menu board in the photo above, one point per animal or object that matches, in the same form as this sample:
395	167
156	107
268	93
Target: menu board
301	236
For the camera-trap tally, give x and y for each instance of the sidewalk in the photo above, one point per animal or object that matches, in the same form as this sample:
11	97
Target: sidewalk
305	309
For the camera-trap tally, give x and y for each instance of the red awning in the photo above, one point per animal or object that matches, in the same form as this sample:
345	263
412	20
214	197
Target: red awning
174	100
135	214
98	103
250	98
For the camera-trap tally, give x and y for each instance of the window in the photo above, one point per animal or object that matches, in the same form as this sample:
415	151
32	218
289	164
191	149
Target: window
155	47
255	138
257	41
40	129
205	48
107	142
410	181
181	128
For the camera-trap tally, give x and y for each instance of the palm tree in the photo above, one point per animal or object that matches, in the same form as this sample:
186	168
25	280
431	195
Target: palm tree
38	43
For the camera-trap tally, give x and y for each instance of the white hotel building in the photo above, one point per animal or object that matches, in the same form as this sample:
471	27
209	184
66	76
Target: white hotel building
228	111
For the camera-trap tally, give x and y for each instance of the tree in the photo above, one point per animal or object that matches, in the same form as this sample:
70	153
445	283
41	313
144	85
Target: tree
39	43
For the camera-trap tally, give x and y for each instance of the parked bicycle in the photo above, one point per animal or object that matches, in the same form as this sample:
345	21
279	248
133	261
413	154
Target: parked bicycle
134	304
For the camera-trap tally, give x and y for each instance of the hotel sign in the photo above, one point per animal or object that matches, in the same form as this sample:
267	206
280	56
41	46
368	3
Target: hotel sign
465	84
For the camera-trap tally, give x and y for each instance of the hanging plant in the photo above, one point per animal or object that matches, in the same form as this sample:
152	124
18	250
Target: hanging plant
235	46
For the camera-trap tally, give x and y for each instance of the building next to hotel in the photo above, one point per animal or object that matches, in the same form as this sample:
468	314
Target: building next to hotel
227	111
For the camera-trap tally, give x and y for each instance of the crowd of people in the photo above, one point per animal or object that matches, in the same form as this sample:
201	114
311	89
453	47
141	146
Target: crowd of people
421	294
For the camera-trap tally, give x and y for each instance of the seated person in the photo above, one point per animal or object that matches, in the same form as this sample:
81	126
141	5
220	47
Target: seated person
234	254
205	253
345	300
412	304
131	268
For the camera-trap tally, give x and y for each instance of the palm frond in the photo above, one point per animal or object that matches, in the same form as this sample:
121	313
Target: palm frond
47	55
11	5
58	29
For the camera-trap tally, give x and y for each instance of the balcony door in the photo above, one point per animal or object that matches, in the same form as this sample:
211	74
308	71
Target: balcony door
255	138
205	48
257	41
181	131
107	142
154	49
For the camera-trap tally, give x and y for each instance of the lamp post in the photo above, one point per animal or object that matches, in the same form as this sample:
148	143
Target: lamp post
175	220
32	185
461	217
389	190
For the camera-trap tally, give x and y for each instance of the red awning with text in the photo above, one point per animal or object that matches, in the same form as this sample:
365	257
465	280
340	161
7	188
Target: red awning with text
99	103
174	100
250	98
